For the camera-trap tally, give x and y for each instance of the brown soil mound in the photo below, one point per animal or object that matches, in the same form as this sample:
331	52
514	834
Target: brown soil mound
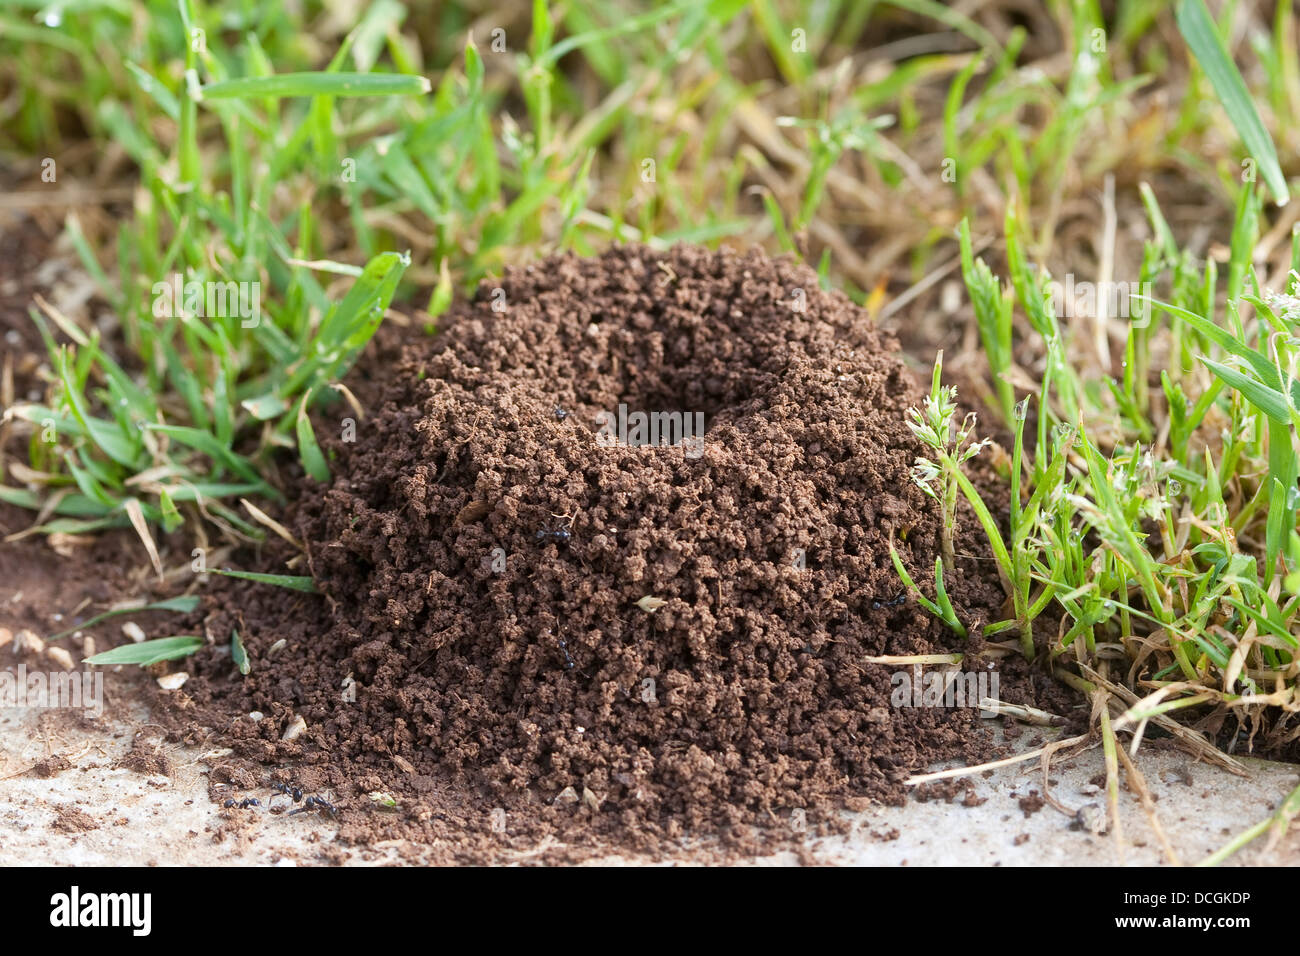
487	560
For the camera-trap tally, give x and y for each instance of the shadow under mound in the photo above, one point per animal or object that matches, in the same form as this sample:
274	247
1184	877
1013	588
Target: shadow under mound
616	644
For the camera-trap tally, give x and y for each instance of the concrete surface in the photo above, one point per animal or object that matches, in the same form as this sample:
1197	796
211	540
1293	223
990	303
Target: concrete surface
98	813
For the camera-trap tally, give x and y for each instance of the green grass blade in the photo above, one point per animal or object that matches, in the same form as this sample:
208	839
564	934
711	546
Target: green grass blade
1267	400
316	84
149	652
1202	36
313	461
181	605
293	582
238	654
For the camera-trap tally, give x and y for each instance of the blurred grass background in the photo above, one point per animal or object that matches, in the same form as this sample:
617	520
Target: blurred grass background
860	130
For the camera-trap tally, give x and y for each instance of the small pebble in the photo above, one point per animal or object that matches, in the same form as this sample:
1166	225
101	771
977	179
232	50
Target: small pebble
173	681
1091	817
61	658
295	729
26	641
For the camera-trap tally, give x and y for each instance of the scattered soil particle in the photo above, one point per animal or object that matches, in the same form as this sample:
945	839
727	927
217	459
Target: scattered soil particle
1031	804
51	766
146	757
945	790
485	647
234	775
1020	839
71	819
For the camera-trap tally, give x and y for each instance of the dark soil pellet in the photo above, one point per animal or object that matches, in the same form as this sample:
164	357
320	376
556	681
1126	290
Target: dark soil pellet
71	819
1031	804
51	766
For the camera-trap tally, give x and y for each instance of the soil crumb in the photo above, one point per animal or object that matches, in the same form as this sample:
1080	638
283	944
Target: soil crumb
51	766
1031	804
544	633
146	757
73	820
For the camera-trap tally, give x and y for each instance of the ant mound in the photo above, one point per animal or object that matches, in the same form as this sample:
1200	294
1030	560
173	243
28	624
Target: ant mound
610	554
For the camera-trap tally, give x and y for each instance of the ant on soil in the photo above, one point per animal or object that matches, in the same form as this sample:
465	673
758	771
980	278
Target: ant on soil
877	604
564	648
243	804
562	535
568	659
560	414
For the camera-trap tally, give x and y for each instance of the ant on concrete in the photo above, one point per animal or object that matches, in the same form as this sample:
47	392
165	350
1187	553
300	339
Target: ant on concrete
243	804
294	793
316	803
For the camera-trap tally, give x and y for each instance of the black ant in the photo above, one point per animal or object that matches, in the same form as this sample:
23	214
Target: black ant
564	648
560	414
877	604
243	804
562	535
294	793
316	803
